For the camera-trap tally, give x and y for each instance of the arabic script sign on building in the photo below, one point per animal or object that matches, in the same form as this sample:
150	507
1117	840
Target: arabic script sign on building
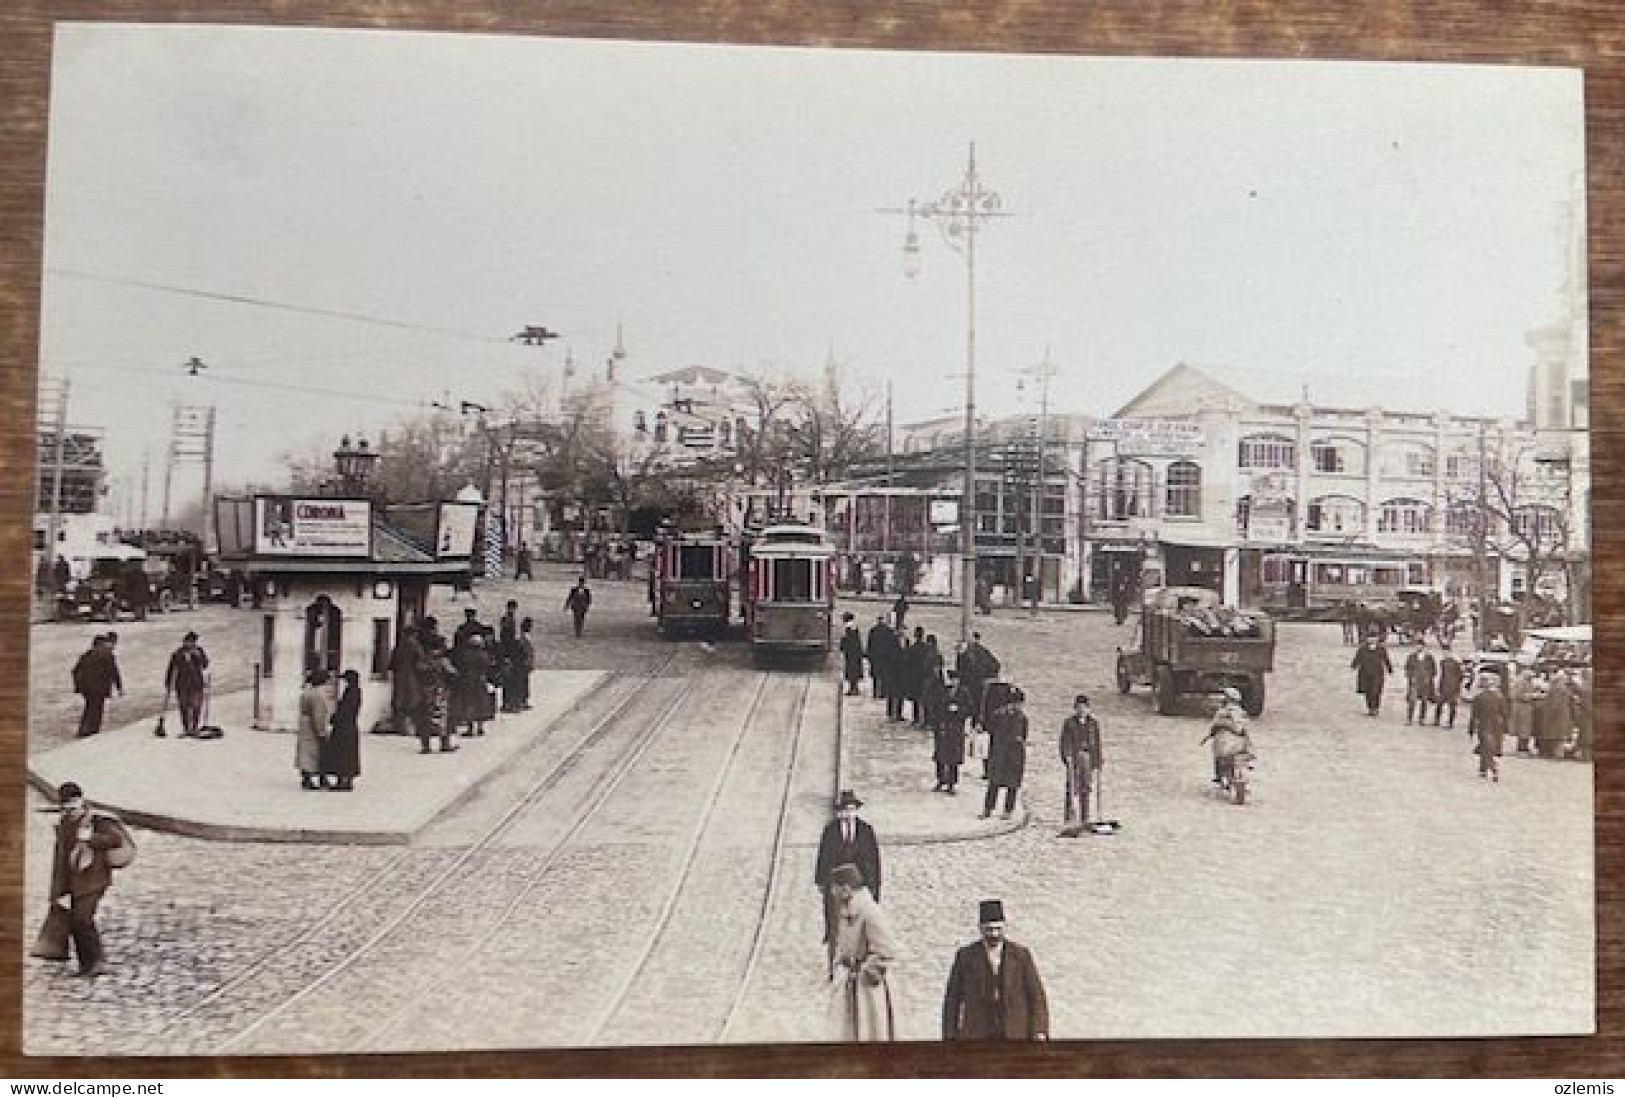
1148	437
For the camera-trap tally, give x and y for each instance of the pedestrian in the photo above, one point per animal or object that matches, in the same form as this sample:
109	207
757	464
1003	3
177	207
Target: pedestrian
62	576
521	563
977	667
846	840
1421	673
1521	699
95	677
1345	614
506	656
899	612
898	683
341	750
1007	753
135	589
1450	679
526	662
1487	722
473	687
186	676
862	1008
87	841
994	989
1120	601
578	601
471	626
438	677
948	736
984	596
315	725
1230	737
917	666
1082	758
882	647
933	696
1554	717
851	654
1371	667
1584	726
405	682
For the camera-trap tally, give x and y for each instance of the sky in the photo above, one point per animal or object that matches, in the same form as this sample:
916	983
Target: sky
348	225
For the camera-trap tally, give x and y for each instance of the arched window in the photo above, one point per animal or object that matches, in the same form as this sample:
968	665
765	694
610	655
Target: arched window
1403	516
639	422
1539	524
1122	489
1337	455
1335	515
725	432
1183	498
660	428
1267	451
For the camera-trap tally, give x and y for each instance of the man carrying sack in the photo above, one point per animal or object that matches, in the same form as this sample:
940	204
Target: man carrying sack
90	844
1080	754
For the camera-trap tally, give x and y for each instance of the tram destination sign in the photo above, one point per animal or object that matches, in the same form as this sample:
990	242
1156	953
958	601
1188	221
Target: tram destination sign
312	527
1148	437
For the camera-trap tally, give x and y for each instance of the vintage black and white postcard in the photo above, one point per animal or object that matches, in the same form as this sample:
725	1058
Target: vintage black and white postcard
561	543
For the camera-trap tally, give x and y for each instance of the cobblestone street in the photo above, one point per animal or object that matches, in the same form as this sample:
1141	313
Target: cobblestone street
1373	886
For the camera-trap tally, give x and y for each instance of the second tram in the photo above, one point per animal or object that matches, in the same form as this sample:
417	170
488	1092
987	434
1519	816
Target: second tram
788	591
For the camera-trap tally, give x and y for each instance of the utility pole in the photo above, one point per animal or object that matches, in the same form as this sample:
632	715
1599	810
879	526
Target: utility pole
208	480
1044	371
59	438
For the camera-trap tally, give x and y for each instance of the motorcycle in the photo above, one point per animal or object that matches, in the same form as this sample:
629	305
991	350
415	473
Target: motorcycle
1236	776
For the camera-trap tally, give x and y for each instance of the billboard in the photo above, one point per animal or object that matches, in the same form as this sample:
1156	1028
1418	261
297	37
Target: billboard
454	535
1148	437
286	526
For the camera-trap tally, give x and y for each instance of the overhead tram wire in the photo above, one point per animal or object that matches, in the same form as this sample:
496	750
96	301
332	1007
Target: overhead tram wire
280	306
249	382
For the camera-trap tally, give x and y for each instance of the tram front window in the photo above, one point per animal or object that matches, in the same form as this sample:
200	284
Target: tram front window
695	562
792	580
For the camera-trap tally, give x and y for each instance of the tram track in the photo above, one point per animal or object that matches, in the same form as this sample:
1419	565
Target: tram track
438	884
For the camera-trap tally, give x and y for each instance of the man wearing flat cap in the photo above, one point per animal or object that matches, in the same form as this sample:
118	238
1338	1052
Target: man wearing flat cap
847	840
994	991
1080	754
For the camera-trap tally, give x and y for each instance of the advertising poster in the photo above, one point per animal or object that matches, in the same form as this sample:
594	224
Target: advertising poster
312	527
455	536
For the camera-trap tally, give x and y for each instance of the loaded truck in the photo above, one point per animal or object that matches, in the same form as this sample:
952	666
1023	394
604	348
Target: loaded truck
1187	641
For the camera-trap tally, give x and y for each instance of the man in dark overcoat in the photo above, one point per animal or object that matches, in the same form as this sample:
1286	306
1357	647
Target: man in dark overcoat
899	676
977	667
1487	722
851	654
405	683
847	840
994	989
948	735
95	677
1450	679
1006	752
882	647
187	677
1371	669
1421	674
578	602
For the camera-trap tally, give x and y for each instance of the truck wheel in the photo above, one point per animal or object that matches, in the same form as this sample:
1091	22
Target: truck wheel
1241	793
1167	692
1123	681
1252	697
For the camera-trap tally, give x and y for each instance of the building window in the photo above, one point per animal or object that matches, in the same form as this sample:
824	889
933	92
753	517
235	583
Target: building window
1277	570
1123	490
1461	520
1184	495
1538	524
726	430
1413	461
1332	457
1335	514
640	423
1403	516
1458	465
1268	451
1244	514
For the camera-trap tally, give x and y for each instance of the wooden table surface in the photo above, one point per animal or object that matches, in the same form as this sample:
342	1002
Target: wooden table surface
1587	35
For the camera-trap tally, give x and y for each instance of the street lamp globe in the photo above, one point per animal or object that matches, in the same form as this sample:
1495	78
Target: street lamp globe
469	494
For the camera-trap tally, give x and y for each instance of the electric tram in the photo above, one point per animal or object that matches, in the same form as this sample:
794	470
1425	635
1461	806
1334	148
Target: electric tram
788	591
690	583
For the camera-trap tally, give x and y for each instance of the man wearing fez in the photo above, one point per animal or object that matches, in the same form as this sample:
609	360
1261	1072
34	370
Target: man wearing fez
994	991
847	840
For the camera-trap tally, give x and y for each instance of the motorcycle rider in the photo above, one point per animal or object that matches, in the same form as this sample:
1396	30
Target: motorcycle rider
1229	736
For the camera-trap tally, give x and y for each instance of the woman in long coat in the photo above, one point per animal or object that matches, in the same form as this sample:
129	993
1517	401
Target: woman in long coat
1371	670
862	1000
315	725
341	753
1554	717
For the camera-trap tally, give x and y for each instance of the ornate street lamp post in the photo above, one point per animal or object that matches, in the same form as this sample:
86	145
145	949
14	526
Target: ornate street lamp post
354	465
959	215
